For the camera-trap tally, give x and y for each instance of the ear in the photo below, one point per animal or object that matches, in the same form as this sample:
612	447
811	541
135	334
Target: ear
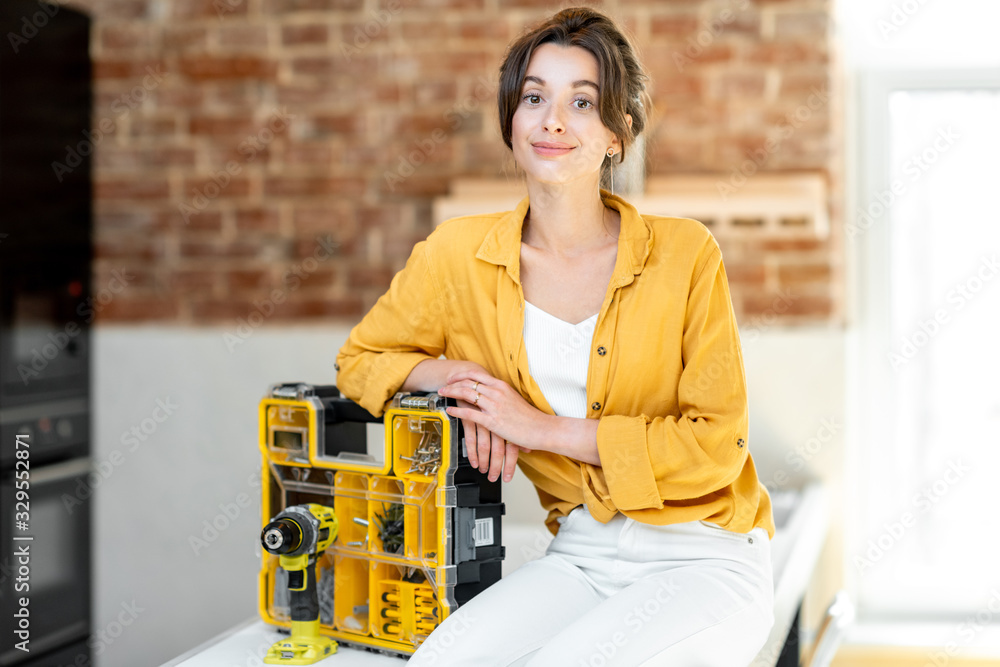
615	141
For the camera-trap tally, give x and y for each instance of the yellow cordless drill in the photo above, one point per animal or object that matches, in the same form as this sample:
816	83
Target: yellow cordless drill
296	536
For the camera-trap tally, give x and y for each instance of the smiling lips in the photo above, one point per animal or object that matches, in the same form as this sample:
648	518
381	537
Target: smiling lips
551	148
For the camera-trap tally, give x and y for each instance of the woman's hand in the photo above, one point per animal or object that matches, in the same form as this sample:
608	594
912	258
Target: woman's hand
480	444
496	420
435	375
432	374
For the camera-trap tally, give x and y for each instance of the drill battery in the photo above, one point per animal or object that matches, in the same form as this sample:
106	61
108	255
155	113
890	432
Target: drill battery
419	528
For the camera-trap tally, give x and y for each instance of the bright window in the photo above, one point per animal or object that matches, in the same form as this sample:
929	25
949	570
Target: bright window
929	221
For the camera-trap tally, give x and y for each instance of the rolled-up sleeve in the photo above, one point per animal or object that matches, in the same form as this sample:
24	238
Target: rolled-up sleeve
403	328
647	460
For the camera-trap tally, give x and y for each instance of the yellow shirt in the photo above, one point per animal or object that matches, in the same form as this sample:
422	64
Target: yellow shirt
665	377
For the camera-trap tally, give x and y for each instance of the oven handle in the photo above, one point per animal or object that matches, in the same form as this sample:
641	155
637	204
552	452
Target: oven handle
57	472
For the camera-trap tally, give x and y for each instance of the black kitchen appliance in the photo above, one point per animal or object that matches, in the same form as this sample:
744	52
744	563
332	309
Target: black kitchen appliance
45	281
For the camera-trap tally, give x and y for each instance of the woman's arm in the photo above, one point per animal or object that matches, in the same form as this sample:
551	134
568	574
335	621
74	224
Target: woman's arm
640	460
646	460
432	374
403	329
493	405
480	442
396	347
575	438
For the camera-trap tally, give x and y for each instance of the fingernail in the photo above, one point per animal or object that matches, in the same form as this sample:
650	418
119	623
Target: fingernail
506	478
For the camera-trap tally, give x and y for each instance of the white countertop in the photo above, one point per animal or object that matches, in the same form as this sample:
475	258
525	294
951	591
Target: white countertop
801	518
246	644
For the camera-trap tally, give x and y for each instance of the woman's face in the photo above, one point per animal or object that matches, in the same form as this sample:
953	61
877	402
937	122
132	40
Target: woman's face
557	132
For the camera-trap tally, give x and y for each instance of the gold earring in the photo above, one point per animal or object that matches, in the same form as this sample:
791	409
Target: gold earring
611	154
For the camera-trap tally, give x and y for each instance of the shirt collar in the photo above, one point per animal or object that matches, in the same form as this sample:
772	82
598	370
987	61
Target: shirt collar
502	245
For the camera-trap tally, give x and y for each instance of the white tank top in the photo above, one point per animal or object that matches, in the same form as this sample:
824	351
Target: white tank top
558	357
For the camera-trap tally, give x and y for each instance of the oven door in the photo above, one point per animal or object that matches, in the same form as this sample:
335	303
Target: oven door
56	579
44	330
57	430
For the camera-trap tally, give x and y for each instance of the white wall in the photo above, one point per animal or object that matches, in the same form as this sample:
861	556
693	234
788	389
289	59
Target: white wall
798	431
202	460
202	456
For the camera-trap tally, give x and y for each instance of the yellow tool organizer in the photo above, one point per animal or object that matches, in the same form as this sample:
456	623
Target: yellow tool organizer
419	527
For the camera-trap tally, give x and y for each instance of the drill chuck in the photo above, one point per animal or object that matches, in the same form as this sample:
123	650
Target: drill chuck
282	536
299	530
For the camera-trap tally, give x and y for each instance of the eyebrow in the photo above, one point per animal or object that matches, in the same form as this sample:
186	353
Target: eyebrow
576	84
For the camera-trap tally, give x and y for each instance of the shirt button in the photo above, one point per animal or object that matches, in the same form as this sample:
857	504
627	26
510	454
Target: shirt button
602	350
595	406
336	367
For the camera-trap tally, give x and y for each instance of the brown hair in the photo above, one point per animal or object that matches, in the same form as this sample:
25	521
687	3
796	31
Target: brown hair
622	79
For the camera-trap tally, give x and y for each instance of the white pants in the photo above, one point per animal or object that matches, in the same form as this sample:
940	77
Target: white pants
621	593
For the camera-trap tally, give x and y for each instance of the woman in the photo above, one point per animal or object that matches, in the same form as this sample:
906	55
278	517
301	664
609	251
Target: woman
597	348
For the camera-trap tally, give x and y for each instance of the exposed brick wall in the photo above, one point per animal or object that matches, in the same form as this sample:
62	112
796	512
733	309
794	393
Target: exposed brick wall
231	135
